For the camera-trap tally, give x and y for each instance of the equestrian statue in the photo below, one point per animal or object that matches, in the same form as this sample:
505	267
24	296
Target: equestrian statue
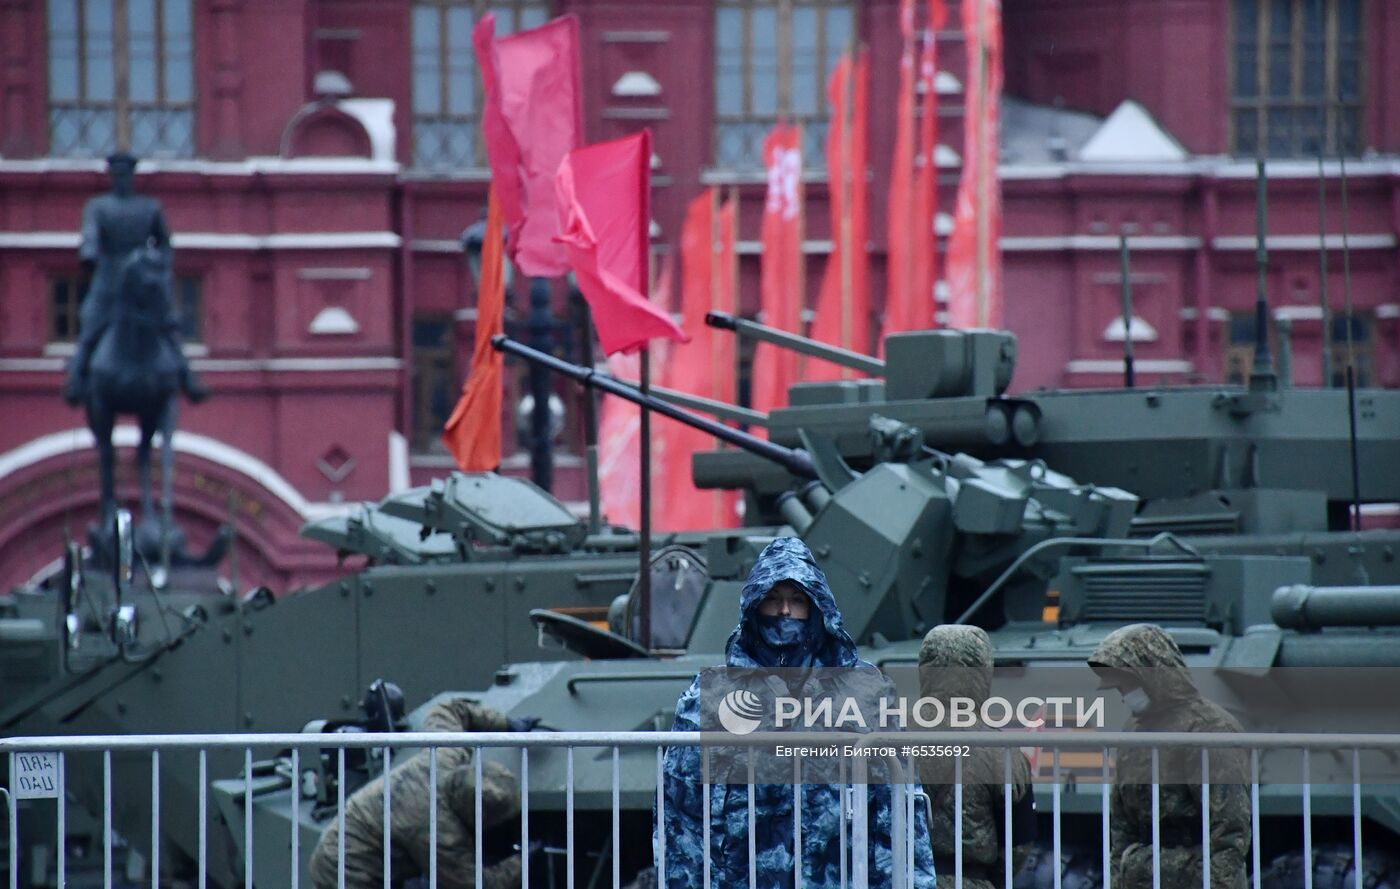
129	359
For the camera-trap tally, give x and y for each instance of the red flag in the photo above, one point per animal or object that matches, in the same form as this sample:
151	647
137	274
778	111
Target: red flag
473	432
702	366
604	222
906	308
619	434
724	373
843	314
974	259
781	278
531	118
925	270
619	449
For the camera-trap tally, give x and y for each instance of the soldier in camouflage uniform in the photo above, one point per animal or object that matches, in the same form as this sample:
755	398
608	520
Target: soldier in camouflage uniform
1144	663
956	662
408	829
805	632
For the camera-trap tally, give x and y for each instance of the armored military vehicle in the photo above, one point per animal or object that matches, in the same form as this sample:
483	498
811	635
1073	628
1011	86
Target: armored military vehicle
455	567
1051	518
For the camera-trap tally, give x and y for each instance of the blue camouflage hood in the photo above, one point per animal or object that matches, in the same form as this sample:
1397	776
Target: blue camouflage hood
827	643
825	850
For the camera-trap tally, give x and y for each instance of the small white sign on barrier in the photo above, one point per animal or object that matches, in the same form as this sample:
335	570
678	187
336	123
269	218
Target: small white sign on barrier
36	776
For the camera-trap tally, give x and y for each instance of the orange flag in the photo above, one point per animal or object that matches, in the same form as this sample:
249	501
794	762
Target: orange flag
781	278
905	306
704	366
473	432
843	306
974	259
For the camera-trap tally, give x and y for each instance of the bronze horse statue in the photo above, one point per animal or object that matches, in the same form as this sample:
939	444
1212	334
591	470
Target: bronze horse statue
129	359
134	368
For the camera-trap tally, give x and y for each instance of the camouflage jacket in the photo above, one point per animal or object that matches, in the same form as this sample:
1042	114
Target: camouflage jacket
1148	654
409	846
827	645
956	661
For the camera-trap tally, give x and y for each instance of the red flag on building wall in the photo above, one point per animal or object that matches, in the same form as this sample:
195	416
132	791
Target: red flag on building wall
704	366
619	431
905	307
781	273
605	222
974	258
843	308
619	449
925	271
531	118
913	201
473	432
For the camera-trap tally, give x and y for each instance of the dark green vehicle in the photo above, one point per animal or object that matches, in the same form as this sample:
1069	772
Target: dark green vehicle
1050	518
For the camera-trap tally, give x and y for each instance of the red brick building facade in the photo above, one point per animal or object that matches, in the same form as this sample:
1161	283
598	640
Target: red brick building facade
319	159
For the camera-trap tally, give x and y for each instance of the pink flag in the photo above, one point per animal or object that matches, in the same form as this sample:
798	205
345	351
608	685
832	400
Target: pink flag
974	259
604	222
530	119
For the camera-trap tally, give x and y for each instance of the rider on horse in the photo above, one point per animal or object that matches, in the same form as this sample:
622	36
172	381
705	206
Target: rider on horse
115	225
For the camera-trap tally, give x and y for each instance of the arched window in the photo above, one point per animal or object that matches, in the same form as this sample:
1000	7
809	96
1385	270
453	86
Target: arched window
446	85
1296	77
772	61
121	75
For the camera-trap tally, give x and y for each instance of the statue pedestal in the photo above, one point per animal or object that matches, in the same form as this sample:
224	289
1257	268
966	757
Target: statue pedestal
152	550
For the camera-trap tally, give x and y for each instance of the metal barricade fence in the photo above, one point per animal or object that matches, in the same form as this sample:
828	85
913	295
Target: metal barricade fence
51	753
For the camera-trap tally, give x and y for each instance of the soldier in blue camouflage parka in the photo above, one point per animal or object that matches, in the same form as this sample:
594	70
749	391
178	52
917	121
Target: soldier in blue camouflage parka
767	640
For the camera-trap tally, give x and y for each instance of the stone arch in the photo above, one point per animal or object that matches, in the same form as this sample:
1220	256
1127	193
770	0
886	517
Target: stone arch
49	489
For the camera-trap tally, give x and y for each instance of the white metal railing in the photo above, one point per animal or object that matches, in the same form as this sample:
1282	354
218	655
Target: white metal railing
50	753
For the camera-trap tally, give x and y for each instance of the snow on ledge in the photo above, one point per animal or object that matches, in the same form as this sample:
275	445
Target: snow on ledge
1131	134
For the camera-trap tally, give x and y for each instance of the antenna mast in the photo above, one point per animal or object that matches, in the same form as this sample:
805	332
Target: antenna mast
1261	375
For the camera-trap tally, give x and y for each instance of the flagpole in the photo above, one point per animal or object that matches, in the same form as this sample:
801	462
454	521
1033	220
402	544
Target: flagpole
644	449
716	371
847	265
983	196
590	414
644	545
733	273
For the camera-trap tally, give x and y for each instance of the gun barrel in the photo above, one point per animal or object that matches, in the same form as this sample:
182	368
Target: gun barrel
722	409
794	461
801	344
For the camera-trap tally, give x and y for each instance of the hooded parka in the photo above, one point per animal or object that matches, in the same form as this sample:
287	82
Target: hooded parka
1150	657
821	642
956	662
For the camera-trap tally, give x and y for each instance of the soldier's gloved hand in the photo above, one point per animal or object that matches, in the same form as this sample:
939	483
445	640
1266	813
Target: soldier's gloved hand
522	723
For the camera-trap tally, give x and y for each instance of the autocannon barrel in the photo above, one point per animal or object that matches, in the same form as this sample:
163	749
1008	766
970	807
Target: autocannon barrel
800	344
1303	607
794	461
